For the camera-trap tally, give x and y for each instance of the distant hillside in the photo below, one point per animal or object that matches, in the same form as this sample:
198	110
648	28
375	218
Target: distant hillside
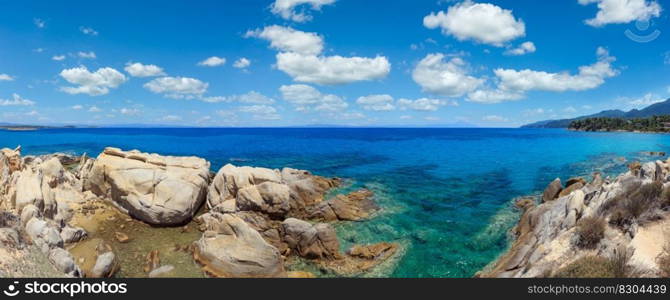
657	109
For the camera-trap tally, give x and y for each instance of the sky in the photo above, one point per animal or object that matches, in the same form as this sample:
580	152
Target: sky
247	63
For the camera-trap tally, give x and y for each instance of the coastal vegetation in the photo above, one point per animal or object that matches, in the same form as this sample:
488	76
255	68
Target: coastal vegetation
650	124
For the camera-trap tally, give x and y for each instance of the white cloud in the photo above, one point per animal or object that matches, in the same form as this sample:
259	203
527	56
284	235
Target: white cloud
494	118
94	109
622	11
242	63
177	87
92	83
481	22
287	9
39	23
331	70
306	98
424	104
300	57
88	31
89	55
129	111
287	39
376	102
58	57
446	78
141	70
16	101
644	101
32	113
252	97
77	107
491	96
171	118
524	48
533	112
6	77
570	110
589	77
261	112
213	61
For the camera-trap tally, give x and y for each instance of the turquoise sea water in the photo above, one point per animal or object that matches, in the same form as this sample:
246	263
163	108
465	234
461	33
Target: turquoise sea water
446	193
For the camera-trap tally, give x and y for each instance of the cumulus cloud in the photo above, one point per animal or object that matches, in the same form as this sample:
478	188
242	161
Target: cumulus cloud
252	97
177	87
171	118
16	100
129	111
524	48
514	84
376	102
331	70
287	39
88	55
6	77
261	112
622	11
39	23
288	9
92	83
58	57
306	98
480	22
424	104
94	109
77	107
494	118
301	57
587	78
88	31
141	70
242	63
447	78
213	61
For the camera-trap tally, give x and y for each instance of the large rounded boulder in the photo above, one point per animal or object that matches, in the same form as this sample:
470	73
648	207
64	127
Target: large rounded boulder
160	190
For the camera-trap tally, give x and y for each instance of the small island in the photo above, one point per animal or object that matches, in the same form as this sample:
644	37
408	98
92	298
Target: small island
650	124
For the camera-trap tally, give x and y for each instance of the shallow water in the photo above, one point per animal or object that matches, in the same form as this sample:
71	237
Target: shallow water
444	193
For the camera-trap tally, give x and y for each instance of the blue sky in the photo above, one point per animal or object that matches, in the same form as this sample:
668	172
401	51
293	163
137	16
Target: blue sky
305	62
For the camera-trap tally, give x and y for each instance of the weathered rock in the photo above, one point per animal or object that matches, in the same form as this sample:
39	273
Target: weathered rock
230	179
29	211
162	271
311	241
355	206
566	191
236	250
63	261
161	190
71	234
360	259
9	238
552	190
268	197
28	189
121	237
635	168
104	265
12	158
153	261
574	180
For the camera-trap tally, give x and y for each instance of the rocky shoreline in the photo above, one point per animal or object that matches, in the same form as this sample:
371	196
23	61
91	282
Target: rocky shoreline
82	215
605	227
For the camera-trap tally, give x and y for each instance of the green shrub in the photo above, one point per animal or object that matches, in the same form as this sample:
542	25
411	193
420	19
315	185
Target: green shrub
588	267
590	231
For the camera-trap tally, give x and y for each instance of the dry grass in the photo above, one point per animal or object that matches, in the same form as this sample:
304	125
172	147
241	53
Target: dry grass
588	267
590	231
639	203
663	261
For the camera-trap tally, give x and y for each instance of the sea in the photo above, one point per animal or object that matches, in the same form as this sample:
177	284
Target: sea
446	194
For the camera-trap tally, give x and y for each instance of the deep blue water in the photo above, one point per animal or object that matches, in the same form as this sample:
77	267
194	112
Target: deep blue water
446	193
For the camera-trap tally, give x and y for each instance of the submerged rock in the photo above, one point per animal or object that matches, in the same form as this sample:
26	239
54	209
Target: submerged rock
161	190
